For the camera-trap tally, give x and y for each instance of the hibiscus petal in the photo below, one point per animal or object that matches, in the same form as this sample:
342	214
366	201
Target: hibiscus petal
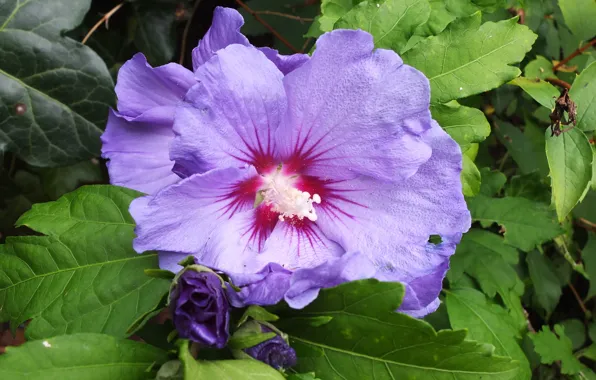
266	287
232	113
285	63
140	88
182	217
224	31
306	283
138	154
391	224
352	110
421	296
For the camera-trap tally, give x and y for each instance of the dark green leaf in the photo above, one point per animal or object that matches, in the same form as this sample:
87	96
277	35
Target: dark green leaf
547	288
575	331
526	148
526	223
570	160
529	186
84	276
468	58
366	339
492	181
552	348
542	92
485	322
58	181
55	91
81	356
224	369
391	22
155	32
583	93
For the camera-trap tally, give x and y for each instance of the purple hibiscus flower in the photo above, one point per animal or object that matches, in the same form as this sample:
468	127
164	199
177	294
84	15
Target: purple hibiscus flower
297	180
138	136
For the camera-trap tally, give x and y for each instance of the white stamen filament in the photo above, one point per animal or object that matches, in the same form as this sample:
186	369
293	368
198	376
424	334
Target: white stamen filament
288	201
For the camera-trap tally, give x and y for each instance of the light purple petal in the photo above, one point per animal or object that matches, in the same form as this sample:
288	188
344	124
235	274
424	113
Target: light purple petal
141	88
306	282
182	217
352	110
266	287
391	223
285	63
232	113
224	31
422	293
138	154
169	260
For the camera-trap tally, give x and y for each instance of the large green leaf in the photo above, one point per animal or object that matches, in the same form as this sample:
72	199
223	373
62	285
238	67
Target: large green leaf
570	160
539	68
553	348
366	339
55	92
526	223
547	288
583	93
485	256
526	148
465	125
391	23
468	58
81	356
84	276
224	369
470	177
485	322
579	17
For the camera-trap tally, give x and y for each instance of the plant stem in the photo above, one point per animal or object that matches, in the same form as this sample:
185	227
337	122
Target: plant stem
105	19
577	52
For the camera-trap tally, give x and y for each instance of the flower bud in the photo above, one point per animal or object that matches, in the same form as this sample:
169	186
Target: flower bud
200	308
275	351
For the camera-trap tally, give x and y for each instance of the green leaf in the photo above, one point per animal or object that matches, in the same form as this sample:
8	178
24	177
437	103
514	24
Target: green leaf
526	223
155	34
81	356
526	148
485	256
439	18
292	30
579	17
589	258
366	339
84	276
303	376
59	181
552	348
465	125
539	68
55	92
258	314
583	93
529	186
224	369
331	11
485	322
468	58
575	331
542	92
470	177
391	23
570	161
547	288
492	181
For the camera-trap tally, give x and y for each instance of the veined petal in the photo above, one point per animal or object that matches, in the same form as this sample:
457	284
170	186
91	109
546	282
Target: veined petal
306	283
232	114
141	88
182	217
285	63
266	287
138	154
391	223
224	31
352	110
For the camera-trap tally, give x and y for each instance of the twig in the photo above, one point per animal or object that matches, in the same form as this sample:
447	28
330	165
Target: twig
558	82
586	224
579	300
577	52
266	25
298	18
105	19
186	30
306	43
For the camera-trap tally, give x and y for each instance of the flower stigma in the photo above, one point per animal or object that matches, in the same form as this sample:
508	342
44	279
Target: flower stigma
279	193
